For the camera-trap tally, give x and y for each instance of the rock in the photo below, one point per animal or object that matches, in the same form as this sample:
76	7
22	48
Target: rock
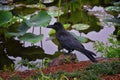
62	59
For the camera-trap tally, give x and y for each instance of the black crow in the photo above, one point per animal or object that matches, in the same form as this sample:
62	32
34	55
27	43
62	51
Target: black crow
69	42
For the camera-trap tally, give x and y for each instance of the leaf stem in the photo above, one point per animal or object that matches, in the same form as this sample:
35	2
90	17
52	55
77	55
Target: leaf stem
59	10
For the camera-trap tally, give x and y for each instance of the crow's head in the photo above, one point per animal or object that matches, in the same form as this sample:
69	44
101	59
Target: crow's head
56	26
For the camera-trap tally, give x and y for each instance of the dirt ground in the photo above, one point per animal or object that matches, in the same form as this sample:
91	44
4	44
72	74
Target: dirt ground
69	67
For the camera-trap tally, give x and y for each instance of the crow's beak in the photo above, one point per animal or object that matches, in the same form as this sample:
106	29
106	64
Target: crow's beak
50	26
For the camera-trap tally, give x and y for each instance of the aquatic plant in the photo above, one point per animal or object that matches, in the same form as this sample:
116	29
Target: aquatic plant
41	19
116	20
112	48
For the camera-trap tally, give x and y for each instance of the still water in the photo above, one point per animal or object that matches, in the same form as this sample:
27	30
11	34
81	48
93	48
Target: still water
50	48
102	35
94	33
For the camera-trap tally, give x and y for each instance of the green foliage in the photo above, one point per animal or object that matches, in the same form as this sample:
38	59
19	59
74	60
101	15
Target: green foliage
115	20
116	7
109	50
80	38
45	62
72	5
34	65
83	75
21	30
80	26
81	17
113	8
41	76
15	77
89	75
66	26
92	72
112	48
107	68
8	68
29	37
117	3
41	19
1	78
55	12
6	7
5	17
26	62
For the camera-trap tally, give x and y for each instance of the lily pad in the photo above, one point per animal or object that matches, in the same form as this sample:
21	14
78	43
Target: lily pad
113	8
5	17
80	38
55	12
42	19
80	26
66	26
21	30
6	7
117	3
29	37
114	20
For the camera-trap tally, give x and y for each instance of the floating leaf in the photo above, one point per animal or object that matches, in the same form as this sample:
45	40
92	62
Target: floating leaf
80	38
114	20
23	27
21	30
31	37
50	38
55	13
41	19
66	26
117	3
113	8
5	17
80	26
6	7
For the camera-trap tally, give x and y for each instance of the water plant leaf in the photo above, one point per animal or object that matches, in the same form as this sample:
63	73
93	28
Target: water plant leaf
117	3
113	8
114	20
6	7
55	12
66	26
5	17
21	30
80	26
80	38
31	37
118	33
41	19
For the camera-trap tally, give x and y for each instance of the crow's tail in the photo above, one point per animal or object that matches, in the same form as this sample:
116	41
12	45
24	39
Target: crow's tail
89	54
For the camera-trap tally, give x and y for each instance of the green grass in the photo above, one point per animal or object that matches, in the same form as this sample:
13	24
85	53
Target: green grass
93	72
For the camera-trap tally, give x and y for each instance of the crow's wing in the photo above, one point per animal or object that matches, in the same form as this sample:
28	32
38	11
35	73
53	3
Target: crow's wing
68	41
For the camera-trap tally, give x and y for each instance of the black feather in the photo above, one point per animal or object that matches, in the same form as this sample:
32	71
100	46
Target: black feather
69	42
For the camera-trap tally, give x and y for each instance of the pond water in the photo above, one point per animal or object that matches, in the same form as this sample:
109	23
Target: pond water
98	31
50	48
106	29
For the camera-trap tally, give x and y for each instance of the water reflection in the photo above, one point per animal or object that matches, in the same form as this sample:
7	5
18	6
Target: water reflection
81	16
